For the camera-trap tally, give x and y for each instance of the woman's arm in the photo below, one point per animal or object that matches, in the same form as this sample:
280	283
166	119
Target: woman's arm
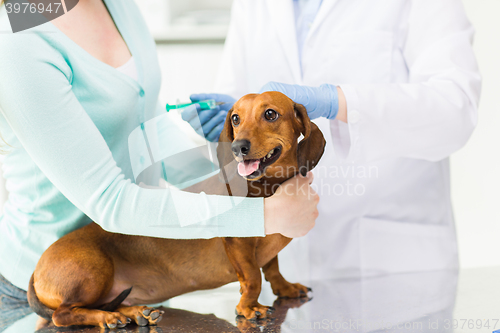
37	100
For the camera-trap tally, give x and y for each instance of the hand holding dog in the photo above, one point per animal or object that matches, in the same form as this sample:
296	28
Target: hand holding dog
292	210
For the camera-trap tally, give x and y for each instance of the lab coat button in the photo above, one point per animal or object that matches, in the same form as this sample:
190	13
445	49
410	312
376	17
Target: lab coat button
353	117
141	93
142	160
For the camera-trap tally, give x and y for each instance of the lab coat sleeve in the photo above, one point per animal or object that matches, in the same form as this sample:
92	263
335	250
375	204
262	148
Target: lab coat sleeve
233	59
37	100
432	115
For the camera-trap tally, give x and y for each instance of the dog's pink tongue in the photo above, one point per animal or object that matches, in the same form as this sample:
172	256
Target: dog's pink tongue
248	167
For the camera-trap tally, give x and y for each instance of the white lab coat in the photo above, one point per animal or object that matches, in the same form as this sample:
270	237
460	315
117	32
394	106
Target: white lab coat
412	86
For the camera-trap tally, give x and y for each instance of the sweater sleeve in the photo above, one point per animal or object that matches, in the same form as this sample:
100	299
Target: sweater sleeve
432	115
37	100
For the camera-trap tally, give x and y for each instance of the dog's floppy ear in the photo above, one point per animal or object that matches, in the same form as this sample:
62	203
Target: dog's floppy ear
303	119
312	146
227	163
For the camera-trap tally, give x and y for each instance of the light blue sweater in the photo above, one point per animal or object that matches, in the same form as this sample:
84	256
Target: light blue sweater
68	119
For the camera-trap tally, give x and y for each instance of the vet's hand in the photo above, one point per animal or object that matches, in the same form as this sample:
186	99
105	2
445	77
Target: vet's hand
292	210
208	123
322	101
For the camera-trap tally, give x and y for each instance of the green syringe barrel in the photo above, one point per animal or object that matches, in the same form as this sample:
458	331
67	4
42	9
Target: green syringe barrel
204	105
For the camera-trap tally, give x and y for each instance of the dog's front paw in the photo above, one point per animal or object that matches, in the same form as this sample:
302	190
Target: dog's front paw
254	311
291	290
254	326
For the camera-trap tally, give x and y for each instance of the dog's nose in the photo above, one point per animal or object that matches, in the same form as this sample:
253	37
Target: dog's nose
241	147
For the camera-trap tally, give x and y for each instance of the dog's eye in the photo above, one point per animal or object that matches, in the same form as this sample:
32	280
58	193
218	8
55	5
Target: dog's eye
271	115
235	119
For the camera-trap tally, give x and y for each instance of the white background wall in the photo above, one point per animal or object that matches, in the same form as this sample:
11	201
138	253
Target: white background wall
475	169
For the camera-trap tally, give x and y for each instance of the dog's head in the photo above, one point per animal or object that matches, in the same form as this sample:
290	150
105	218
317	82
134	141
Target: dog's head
262	133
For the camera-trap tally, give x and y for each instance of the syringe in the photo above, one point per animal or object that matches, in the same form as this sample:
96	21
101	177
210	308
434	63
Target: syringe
204	105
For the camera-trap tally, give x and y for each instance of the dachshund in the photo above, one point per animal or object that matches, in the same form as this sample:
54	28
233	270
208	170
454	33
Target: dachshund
94	277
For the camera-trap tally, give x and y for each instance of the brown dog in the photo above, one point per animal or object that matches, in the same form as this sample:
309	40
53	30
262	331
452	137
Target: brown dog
93	277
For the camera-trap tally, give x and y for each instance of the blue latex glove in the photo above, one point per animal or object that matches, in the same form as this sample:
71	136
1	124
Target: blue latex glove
208	123
322	101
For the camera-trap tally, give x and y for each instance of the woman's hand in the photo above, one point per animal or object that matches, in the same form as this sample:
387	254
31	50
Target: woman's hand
292	210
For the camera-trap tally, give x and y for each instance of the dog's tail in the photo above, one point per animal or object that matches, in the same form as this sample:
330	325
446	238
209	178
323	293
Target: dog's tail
111	306
35	304
45	312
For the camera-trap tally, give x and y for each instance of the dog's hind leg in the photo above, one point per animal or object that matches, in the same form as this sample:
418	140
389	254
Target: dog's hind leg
142	315
281	287
74	314
72	281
